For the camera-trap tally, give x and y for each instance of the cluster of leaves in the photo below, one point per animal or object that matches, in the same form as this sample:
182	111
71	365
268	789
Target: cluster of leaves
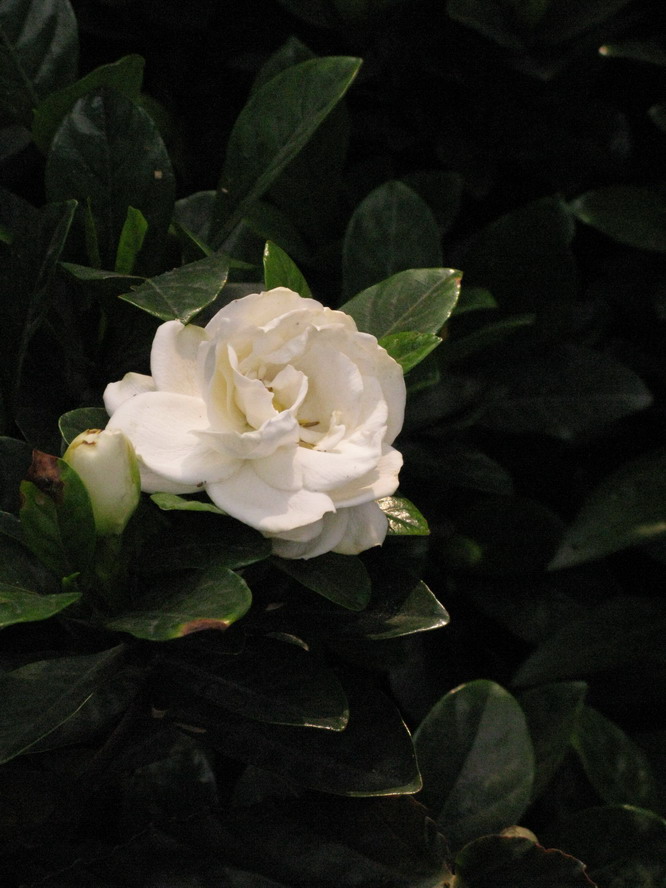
323	737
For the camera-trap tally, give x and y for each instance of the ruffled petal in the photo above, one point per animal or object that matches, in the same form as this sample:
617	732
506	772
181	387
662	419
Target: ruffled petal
173	357
251	500
331	530
381	481
331	471
116	393
162	426
366	527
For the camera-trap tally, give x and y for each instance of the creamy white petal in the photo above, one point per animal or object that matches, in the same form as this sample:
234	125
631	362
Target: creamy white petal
249	499
366	527
163	428
216	383
380	481
173	357
331	471
116	393
282	469
255	310
333	527
281	431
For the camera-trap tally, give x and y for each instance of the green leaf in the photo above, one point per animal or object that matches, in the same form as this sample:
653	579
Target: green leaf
170	502
109	283
403	517
38	53
456	349
418	300
477	761
641	50
39	697
281	271
269	680
553	712
56	516
623	847
492	861
15	458
620	633
359	761
626	508
125	76
23	606
182	293
342	579
130	242
565	20
212	600
474	299
391	230
195	213
80	420
456	465
94	156
631	214
262	142
409	349
19	567
616	767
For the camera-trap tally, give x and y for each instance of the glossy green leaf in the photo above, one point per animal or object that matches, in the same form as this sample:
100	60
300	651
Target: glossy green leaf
130	242
553	714
56	516
182	293
107	282
170	502
476	758
262	143
342	579
269	680
125	76
622	846
39	697
93	156
492	861
281	271
80	420
630	214
391	230
212	600
403	517
359	761
419	611
38	52
23	606
566	392
195	212
618	634
474	299
409	349
418	300
616	767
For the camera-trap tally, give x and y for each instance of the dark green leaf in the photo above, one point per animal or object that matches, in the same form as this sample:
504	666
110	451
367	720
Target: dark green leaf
19	567
492	18
108	282
281	271
39	697
269	680
342	579
442	190
616	767
80	420
419	300
56	516
620	633
403	517
93	156
359	761
263	143
492	861
170	502
409	349
15	457
213	600
623	847
456	465
568	391
658	115
38	53
565	20
125	76
553	712
630	214
420	611
195	213
292	52
474	299
182	293
392	230
460	349
477	762
627	507
23	606
130	242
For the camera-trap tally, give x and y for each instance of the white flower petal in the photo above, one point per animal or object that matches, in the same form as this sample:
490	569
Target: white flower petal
116	393
281	431
255	310
366	527
162	426
249	499
330	471
173	357
381	480
332	529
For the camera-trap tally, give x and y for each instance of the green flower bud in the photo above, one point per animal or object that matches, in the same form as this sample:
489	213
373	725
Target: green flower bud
106	463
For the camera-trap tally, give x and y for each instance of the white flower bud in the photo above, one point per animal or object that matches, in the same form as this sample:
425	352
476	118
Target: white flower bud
106	463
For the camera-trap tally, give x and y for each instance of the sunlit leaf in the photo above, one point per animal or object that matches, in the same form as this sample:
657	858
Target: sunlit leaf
281	271
409	349
403	517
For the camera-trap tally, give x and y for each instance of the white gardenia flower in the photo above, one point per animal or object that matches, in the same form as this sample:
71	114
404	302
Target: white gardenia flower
281	410
106	463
